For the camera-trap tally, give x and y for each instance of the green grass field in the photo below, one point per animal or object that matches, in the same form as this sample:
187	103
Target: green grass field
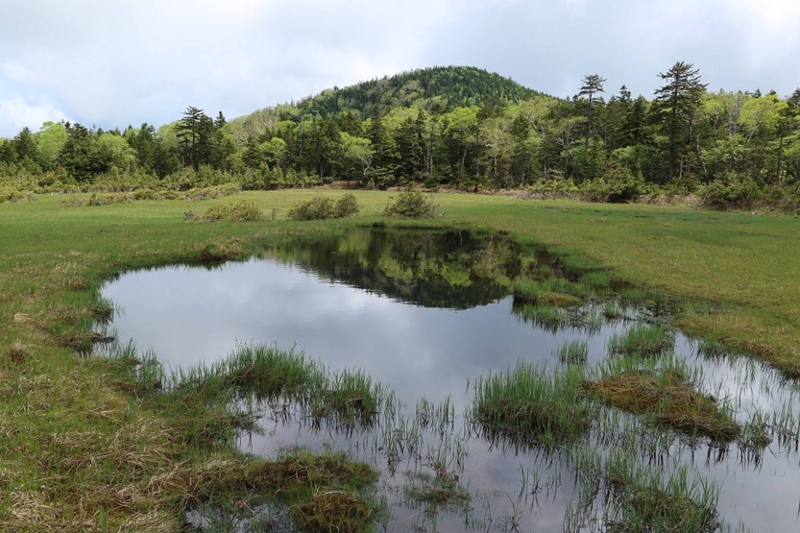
82	448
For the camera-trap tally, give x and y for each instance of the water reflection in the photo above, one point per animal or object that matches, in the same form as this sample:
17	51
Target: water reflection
426	314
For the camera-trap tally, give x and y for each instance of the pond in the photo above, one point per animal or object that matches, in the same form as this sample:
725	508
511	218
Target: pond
430	315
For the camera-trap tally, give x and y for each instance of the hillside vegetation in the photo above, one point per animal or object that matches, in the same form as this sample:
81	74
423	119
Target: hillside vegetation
456	127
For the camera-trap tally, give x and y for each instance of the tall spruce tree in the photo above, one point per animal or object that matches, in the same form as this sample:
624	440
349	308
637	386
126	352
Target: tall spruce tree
590	86
678	100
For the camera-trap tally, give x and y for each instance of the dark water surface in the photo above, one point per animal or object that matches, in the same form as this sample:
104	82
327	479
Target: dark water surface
426	314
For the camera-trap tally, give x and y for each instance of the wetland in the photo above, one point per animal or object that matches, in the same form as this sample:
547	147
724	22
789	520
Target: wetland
490	386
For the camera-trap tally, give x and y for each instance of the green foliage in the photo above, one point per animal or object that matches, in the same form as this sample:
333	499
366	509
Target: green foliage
642	340
735	192
617	185
574	352
531	405
346	206
456	127
242	211
323	207
412	204
443	86
554	188
11	194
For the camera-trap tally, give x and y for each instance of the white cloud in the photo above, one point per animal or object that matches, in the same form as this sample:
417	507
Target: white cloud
118	62
17	113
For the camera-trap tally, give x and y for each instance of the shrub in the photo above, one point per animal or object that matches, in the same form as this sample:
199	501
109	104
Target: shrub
109	198
553	188
412	204
318	208
11	194
346	206
243	211
617	185
322	207
733	192
215	191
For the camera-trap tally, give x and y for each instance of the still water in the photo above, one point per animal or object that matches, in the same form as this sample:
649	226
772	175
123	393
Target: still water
426	314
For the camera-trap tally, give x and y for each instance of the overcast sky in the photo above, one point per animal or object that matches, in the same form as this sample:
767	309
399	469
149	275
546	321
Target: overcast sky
119	62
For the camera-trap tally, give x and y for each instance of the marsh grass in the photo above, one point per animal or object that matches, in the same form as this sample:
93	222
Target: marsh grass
532	405
435	492
113	461
642	340
615	310
574	352
268	374
555	291
658	305
321	493
712	349
642	501
333	510
553	318
668	396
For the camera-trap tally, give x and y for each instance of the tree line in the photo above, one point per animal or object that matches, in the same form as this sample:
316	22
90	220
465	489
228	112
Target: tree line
436	130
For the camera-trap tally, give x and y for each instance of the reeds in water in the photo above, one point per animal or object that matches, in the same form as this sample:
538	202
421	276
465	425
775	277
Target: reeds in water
532	405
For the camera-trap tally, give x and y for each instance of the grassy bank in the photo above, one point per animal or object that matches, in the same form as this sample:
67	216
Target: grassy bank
83	445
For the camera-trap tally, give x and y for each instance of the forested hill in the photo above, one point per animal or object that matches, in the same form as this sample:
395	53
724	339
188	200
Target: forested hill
457	127
435	89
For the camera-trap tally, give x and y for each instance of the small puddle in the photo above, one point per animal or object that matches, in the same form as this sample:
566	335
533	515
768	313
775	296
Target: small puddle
427	314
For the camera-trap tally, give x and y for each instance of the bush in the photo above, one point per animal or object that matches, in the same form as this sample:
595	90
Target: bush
322	207
733	192
412	204
553	188
243	211
215	191
12	194
346	206
110	198
618	185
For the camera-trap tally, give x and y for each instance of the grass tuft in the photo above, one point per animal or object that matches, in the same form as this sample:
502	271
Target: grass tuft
642	501
642	340
574	352
330	511
531	405
439	491
668	397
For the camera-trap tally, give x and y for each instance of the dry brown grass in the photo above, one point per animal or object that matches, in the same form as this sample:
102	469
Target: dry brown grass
18	352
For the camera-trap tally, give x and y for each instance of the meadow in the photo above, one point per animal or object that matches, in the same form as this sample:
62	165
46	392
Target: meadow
90	443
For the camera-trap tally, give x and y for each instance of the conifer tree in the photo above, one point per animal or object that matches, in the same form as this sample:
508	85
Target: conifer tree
678	100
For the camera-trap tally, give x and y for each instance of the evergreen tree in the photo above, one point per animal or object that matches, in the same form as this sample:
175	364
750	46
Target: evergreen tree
189	132
25	145
677	102
590	86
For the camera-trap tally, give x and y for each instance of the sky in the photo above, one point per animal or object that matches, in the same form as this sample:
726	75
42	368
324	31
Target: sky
117	62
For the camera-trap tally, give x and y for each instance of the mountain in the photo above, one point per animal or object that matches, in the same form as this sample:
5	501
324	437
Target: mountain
436	89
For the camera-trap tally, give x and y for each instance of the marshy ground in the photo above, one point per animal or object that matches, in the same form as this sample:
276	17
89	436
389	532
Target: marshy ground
118	444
